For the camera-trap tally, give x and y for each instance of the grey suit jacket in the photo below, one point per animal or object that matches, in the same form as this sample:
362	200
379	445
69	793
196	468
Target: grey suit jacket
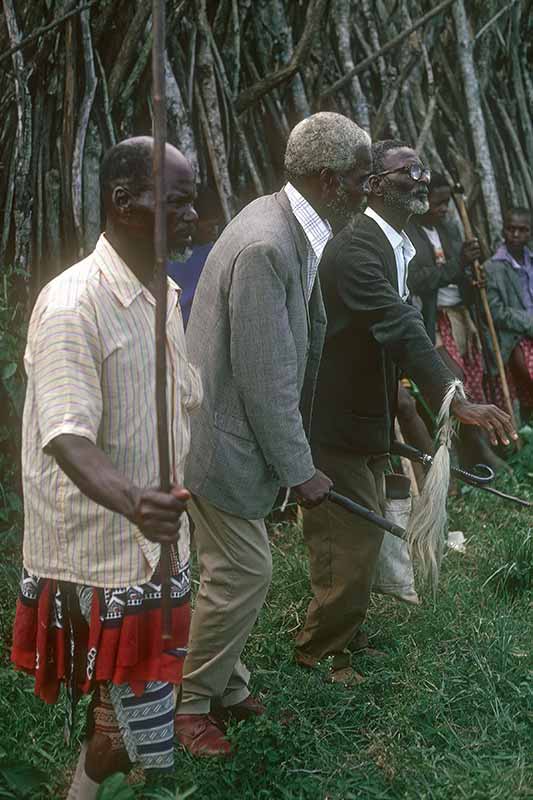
257	344
512	320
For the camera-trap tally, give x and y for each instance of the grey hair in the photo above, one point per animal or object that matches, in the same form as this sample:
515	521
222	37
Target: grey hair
323	141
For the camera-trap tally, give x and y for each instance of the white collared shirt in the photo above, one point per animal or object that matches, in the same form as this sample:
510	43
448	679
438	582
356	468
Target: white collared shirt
403	247
90	361
317	231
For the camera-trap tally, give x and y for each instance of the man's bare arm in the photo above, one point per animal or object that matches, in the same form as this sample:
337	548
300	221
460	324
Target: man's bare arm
155	513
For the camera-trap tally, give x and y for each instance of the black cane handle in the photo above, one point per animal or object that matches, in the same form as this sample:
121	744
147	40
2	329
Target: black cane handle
481	475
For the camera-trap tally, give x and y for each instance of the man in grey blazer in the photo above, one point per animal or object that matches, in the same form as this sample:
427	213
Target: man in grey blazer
255	333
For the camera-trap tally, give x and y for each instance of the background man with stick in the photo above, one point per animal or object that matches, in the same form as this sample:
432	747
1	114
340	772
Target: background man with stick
439	275
371	332
510	291
93	526
256	331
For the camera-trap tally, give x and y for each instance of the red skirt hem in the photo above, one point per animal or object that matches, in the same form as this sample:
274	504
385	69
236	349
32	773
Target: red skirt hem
128	650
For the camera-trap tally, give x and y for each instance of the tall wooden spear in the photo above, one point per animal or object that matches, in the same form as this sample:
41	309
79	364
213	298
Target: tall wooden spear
479	273
160	249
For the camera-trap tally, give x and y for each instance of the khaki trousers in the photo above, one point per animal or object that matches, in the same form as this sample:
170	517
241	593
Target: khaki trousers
343	552
235	573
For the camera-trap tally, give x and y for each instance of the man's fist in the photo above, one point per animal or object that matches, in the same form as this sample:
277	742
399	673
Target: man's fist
314	491
157	514
497	423
470	252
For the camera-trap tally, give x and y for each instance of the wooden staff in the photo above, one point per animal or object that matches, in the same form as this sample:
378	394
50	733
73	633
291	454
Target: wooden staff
479	272
160	249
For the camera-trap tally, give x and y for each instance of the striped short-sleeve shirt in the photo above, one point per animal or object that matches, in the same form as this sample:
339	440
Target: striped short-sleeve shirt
90	362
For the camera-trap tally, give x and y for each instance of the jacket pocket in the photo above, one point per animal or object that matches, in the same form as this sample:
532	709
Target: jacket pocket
237	426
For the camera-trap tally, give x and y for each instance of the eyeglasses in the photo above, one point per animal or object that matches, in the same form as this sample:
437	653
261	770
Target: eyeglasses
415	171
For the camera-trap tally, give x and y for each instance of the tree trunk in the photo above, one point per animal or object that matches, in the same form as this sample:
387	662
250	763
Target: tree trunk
179	125
81	133
209	94
92	222
22	153
476	119
360	105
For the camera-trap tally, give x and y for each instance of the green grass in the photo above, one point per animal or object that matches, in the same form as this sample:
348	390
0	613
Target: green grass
448	715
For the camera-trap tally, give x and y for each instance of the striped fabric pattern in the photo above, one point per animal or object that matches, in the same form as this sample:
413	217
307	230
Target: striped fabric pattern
90	361
146	723
317	231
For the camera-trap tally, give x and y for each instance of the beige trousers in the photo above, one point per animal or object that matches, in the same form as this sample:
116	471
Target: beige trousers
235	572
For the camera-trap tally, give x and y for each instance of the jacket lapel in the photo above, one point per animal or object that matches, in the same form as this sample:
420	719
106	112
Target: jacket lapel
386	248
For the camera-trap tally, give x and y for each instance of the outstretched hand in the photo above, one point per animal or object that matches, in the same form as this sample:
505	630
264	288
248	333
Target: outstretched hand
496	422
157	514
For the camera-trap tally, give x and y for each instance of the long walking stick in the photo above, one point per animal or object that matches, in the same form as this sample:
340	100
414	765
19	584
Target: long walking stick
484	347
160	249
479	272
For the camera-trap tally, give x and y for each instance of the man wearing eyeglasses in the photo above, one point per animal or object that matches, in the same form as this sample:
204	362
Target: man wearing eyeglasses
372	333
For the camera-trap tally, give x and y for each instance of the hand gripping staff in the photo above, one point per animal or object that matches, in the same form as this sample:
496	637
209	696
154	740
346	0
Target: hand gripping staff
479	273
160	249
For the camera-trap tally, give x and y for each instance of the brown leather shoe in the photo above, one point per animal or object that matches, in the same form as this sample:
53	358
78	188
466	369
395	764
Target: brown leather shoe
304	660
247	709
346	677
200	735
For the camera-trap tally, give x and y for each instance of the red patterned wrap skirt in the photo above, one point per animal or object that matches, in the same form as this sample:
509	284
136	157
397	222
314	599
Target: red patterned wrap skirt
81	635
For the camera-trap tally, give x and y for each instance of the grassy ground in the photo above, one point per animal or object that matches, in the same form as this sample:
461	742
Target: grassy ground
449	713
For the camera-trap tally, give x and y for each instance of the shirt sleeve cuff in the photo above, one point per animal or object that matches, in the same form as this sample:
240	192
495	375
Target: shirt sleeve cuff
75	430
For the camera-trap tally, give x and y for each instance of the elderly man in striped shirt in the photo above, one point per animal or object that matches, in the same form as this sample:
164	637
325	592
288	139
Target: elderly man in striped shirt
89	611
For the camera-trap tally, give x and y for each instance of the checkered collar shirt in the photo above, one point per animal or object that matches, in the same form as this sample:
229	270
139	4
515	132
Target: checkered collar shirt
317	232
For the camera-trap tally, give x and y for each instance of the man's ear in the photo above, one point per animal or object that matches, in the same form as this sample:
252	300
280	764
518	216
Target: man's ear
122	200
375	185
329	182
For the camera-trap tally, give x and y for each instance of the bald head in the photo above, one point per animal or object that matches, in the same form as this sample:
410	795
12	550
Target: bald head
128	193
129	164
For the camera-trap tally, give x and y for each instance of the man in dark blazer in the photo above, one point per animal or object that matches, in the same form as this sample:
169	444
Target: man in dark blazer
371	333
256	332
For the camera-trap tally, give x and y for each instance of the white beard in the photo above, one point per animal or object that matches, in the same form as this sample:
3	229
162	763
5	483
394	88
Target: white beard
415	205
